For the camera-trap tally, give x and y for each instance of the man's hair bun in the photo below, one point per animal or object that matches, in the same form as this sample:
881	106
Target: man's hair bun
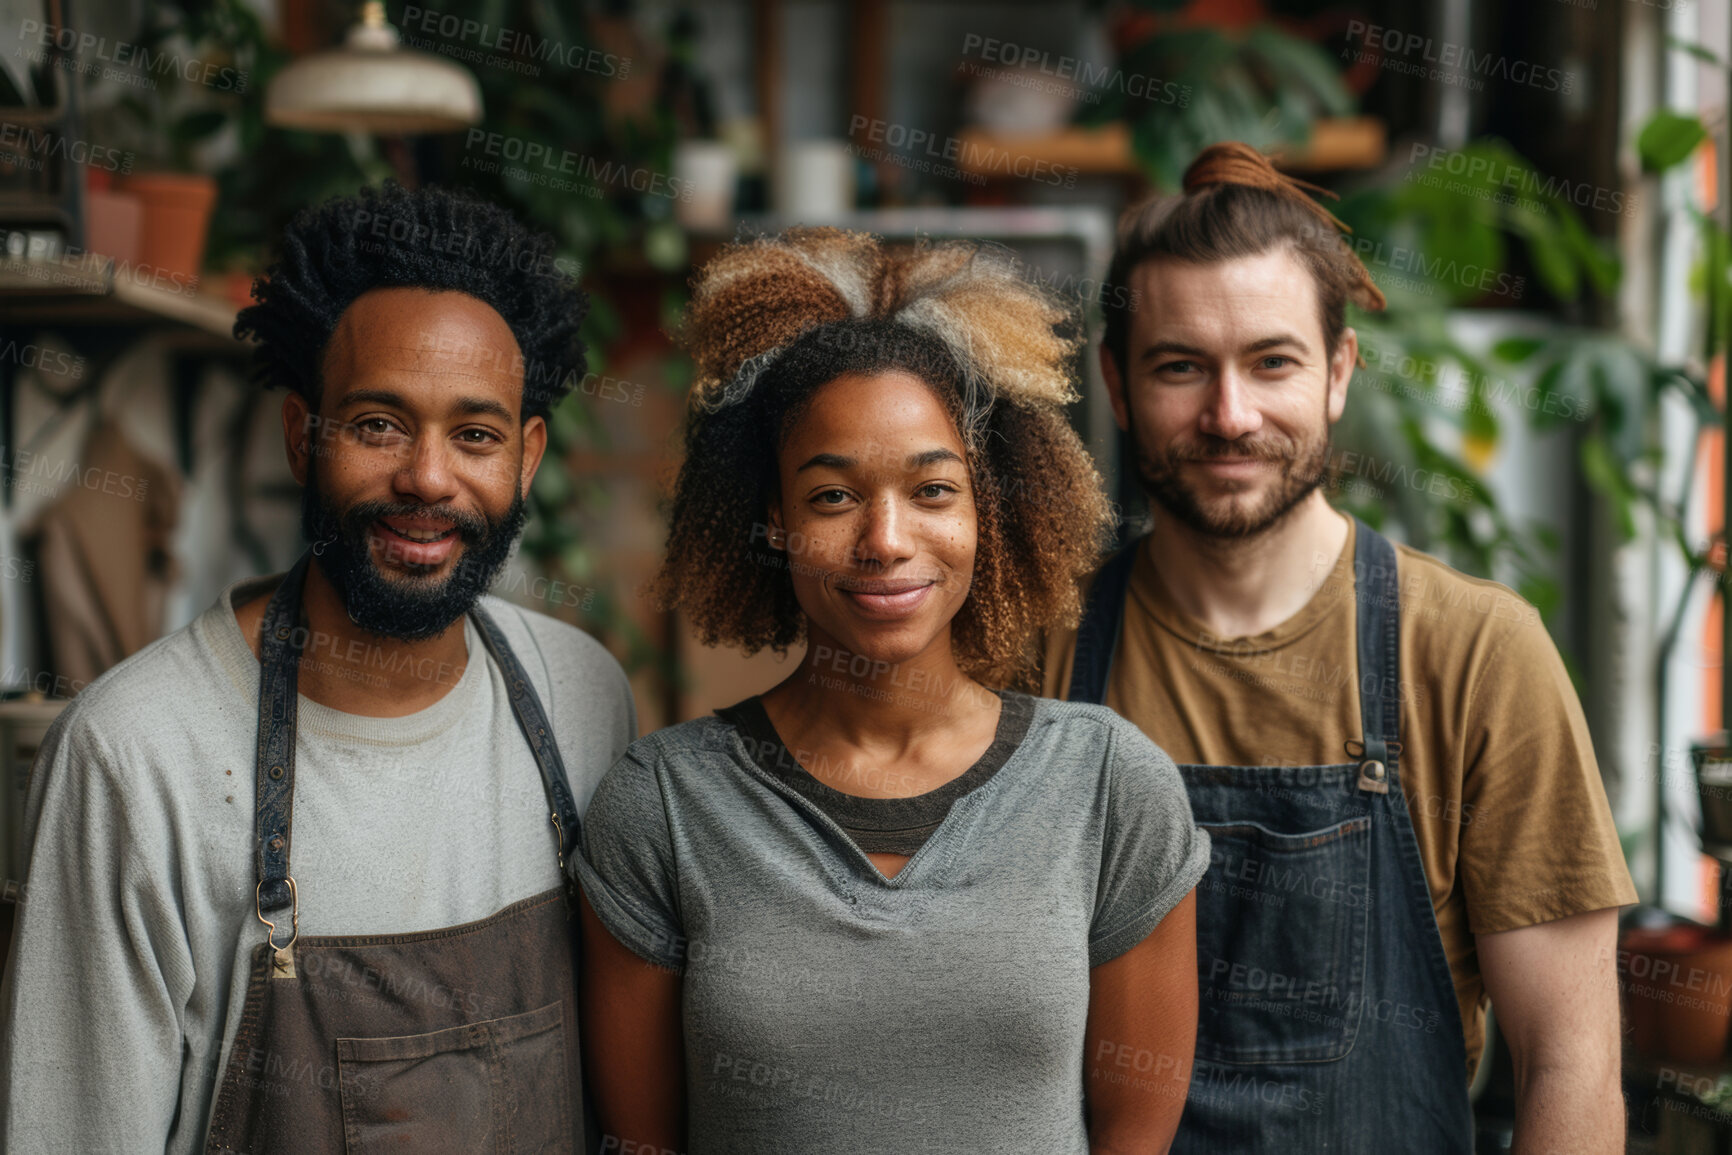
1234	162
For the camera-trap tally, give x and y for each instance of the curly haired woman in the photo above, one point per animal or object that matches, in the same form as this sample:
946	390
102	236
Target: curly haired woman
884	906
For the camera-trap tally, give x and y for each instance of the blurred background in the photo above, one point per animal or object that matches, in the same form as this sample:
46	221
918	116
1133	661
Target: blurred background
1538	189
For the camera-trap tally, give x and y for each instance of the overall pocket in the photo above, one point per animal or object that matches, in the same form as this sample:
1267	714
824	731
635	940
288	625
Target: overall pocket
1281	926
499	1087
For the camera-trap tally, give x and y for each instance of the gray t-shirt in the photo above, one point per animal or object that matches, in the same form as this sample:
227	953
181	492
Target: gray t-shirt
129	963
827	1008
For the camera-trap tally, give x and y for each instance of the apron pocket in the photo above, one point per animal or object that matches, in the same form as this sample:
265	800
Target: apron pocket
1281	925
499	1087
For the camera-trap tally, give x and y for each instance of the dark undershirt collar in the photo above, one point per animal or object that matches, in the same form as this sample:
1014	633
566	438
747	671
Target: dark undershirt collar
879	825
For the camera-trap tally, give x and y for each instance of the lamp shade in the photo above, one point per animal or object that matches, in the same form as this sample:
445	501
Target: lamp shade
374	85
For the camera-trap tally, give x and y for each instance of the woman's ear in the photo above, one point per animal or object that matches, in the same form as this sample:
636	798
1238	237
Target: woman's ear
777	533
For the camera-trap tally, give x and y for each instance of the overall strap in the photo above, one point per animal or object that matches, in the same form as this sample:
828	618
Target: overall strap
281	639
1377	600
526	704
1097	638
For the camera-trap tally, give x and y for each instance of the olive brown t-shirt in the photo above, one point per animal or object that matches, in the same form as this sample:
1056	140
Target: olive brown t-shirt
1507	802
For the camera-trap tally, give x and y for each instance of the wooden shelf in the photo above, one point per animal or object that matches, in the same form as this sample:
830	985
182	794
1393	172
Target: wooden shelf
1356	142
55	292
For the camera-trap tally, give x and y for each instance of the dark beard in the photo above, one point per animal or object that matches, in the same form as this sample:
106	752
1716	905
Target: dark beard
1300	471
418	608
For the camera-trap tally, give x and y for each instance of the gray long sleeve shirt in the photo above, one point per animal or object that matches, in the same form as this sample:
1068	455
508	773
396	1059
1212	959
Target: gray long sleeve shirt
129	962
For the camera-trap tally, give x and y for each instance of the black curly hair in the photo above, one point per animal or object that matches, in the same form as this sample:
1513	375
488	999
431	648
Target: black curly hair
1042	515
427	238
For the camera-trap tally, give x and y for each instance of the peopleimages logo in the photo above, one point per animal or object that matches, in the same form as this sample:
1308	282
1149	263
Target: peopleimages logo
1091	79
29	148
88	48
975	159
1514	179
1436	270
388	232
488	37
51	361
549	167
1456	65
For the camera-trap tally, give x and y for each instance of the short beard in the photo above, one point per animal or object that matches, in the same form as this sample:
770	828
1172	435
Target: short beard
1300	472
417	608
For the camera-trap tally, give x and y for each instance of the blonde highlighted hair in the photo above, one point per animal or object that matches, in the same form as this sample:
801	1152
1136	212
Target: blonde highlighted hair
1010	338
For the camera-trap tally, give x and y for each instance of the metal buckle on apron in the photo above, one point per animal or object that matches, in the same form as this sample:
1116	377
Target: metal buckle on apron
283	962
1374	755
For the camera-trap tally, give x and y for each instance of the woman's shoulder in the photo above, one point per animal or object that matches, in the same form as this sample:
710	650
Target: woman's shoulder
1084	719
682	743
663	765
1098	760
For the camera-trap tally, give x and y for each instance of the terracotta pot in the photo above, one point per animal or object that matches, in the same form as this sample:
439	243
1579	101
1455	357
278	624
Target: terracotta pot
177	211
1676	987
113	224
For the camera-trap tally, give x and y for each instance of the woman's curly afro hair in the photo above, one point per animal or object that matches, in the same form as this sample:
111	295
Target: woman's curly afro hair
444	240
773	320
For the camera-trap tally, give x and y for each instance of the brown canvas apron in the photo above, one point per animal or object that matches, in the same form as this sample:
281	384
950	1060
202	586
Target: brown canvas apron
462	1039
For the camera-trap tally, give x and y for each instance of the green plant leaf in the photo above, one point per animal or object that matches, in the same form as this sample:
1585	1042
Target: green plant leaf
1699	51
1515	350
552	484
1668	139
1600	470
550	18
1544	594
1694	390
1300	64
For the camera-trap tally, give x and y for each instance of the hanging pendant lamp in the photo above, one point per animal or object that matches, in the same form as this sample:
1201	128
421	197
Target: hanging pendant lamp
374	85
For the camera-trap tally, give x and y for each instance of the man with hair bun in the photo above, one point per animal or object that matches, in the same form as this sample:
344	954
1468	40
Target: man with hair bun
298	877
1405	813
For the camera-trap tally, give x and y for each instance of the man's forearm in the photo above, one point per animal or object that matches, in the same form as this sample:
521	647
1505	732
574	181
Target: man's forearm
1547	982
1566	1110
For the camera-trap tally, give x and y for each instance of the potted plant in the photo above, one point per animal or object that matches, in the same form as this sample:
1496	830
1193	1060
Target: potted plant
1191	73
186	83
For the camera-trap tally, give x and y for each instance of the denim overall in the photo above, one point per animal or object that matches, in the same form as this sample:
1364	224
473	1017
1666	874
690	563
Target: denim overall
1327	1016
445	1041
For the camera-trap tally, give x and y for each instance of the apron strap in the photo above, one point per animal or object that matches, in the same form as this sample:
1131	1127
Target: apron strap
281	639
532	719
1378	613
1097	638
1378	624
